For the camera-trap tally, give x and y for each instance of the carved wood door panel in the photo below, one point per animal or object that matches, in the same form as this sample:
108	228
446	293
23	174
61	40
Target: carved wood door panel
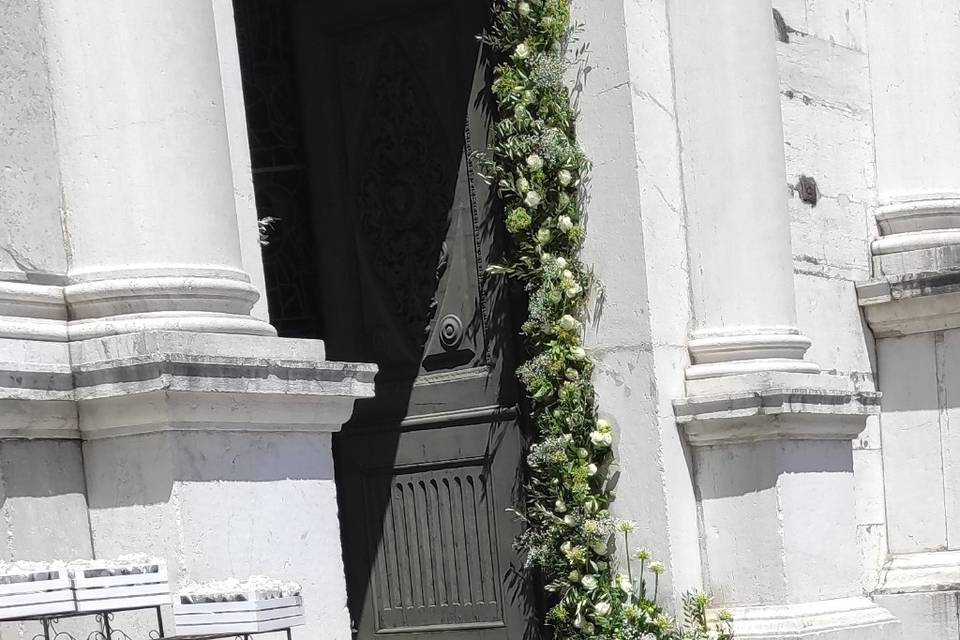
393	96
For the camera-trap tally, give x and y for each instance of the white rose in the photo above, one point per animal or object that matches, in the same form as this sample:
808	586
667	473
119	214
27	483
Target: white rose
589	582
578	353
561	263
535	162
623	582
569	323
564	223
523	9
564	177
573	290
522	185
522	50
602	609
570	521
560	506
543	235
532	199
601	439
591	469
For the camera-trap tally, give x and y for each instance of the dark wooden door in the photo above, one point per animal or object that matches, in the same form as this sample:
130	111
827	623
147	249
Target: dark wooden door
393	104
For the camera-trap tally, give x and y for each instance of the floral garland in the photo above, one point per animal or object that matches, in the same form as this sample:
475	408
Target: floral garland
538	169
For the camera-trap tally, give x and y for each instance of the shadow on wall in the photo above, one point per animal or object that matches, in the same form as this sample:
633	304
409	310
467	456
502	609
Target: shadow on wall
40	468
141	470
732	471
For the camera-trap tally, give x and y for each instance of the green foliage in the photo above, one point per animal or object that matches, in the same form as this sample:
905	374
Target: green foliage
538	168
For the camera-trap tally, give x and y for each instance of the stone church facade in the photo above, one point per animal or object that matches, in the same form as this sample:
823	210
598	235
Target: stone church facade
773	215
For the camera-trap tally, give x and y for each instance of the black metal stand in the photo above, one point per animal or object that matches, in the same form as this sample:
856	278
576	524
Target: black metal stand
106	630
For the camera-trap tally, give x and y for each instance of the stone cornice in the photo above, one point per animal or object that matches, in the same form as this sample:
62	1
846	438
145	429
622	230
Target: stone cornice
774	406
169	380
911	303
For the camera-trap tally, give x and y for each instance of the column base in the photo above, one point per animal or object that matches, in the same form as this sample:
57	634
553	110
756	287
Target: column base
745	350
923	591
842	619
215	452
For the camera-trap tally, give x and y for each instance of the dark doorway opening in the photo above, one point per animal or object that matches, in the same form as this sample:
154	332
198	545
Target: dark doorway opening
363	121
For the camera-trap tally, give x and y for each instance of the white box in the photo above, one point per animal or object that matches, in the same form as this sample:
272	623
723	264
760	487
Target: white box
35	593
113	592
238	616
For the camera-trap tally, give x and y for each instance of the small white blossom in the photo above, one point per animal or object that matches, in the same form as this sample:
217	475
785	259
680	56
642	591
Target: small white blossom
522	51
533	199
603	425
522	185
535	162
523	9
561	263
560	506
573	290
622	581
657	567
543	235
564	223
602	609
564	177
589	582
569	520
591	469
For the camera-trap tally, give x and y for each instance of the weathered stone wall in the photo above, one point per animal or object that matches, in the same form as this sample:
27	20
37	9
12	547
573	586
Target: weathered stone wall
828	136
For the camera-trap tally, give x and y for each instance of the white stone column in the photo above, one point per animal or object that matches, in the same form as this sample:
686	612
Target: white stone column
148	196
770	436
736	190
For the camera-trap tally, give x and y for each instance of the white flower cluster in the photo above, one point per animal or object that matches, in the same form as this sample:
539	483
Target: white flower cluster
235	590
25	571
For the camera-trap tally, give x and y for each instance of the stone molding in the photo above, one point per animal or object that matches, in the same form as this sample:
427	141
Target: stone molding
921	573
916	264
744	350
32	312
170	380
842	619
911	303
774	406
